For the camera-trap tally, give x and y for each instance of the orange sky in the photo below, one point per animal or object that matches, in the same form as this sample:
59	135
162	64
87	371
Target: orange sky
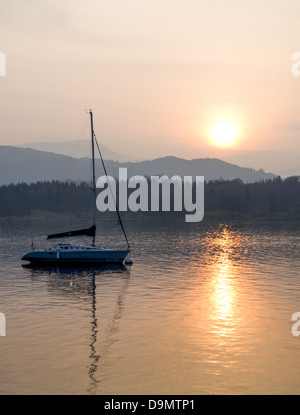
159	75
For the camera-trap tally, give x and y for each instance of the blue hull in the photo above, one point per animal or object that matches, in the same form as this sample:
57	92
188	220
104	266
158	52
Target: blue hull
73	256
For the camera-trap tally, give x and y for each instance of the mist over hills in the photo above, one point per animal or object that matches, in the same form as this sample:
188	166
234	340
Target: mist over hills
26	165
76	149
284	163
280	162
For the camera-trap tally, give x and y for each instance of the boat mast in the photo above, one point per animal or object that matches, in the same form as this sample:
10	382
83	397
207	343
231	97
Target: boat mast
94	139
94	180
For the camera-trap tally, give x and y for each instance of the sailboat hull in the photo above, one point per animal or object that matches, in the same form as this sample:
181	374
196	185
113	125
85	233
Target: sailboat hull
76	255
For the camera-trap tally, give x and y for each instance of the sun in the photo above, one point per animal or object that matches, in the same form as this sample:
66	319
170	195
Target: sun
224	135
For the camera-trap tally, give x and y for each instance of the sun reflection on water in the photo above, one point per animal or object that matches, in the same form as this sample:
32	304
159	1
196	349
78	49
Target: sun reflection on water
223	286
220	313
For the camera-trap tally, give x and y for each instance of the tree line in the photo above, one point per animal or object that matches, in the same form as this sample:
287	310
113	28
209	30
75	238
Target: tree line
268	197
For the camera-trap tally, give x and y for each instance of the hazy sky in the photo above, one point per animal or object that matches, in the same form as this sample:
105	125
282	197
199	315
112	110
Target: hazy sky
158	74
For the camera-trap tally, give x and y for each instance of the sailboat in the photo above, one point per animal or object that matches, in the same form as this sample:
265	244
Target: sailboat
66	253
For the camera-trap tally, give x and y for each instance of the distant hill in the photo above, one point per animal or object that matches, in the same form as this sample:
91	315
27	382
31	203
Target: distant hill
76	149
210	168
281	162
290	172
29	166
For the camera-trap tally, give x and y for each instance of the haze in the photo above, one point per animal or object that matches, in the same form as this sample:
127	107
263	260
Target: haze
159	75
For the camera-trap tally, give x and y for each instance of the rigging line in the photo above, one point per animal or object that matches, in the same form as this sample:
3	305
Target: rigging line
117	210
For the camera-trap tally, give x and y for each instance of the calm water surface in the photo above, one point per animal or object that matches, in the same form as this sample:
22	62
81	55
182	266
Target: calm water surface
204	309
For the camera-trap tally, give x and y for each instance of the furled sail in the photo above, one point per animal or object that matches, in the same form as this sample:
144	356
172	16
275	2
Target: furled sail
80	232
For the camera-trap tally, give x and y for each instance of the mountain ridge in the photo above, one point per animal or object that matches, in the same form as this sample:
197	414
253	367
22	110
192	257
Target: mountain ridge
28	165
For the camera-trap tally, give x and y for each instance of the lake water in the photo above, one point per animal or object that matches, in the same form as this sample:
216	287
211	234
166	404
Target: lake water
204	309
